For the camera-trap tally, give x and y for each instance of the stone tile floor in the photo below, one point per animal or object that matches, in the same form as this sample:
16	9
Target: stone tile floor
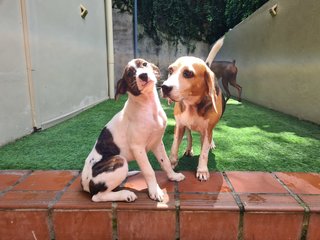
231	205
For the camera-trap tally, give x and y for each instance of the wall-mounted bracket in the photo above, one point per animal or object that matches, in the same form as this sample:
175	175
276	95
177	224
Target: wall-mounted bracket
83	11
273	10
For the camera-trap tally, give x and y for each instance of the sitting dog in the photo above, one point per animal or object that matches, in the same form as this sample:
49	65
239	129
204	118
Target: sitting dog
227	71
199	104
129	135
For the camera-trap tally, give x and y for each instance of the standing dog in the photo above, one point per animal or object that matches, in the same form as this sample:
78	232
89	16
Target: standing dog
199	105
129	135
227	71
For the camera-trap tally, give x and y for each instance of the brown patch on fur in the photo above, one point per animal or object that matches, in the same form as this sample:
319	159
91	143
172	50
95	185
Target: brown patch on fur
107	165
128	81
94	188
182	106
204	106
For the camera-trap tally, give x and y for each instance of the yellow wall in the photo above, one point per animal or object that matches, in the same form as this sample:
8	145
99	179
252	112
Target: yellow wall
278	58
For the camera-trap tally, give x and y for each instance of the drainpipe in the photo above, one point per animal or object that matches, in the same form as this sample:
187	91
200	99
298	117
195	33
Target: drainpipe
26	43
135	29
110	51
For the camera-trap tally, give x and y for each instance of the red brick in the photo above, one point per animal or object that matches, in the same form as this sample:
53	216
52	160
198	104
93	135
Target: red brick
17	225
255	182
301	183
9	178
272	225
313	230
270	203
82	225
146	224
216	183
46	180
209	225
202	202
27	199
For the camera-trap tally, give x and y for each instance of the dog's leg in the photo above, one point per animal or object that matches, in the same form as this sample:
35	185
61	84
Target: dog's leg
226	87
178	134
112	173
239	92
238	87
202	170
161	155
140	155
123	195
189	150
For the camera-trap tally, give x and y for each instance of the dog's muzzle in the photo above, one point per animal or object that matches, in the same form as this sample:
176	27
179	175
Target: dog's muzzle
166	90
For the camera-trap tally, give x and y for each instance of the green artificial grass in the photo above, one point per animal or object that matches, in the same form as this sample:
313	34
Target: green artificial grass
247	138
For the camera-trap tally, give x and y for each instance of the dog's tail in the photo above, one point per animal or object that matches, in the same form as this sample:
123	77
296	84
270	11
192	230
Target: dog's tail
132	173
214	50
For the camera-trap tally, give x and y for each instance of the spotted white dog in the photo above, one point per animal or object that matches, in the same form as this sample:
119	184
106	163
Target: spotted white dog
131	133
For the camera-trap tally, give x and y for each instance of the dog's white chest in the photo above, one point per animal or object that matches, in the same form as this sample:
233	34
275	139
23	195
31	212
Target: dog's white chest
191	120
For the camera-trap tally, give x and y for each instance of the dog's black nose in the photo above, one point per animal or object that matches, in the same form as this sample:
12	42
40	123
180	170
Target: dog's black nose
144	77
166	89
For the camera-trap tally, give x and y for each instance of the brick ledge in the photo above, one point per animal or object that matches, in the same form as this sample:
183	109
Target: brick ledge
231	205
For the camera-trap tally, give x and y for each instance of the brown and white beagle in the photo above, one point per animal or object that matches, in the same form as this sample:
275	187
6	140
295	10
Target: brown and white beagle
129	135
199	104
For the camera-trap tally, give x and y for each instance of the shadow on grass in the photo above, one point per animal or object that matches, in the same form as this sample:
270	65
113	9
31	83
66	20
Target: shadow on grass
246	114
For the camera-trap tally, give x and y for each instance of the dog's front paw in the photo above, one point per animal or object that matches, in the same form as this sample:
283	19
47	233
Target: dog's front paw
176	177
203	174
156	194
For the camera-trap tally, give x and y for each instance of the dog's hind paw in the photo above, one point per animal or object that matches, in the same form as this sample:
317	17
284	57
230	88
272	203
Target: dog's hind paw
203	175
128	196
188	153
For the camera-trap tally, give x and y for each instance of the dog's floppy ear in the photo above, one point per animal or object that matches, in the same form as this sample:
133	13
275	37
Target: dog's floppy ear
156	71
121	88
209	78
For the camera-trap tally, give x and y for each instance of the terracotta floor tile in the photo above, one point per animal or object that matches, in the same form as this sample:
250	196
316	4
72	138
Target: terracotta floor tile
79	200
138	183
266	226
46	180
9	178
216	183
82	225
146	224
313	230
304	183
313	202
76	185
26	225
255	182
208	225
143	202
202	202
27	199
270	203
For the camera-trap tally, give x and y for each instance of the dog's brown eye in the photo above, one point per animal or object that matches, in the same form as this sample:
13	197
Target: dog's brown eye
170	71
130	74
188	74
144	64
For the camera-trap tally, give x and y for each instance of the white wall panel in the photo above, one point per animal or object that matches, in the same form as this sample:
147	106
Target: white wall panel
15	111
68	56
